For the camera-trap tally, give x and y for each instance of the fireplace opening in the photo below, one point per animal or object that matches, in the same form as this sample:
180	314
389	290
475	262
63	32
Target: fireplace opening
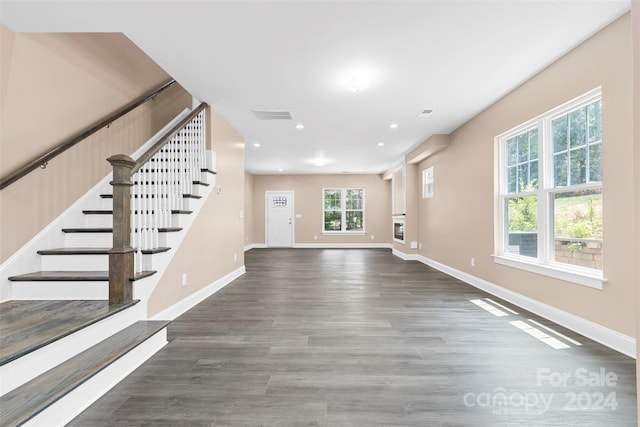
398	230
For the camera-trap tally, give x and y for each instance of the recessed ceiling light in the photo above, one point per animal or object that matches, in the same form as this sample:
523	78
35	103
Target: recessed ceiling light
393	125
319	163
380	144
359	79
299	126
280	170
256	144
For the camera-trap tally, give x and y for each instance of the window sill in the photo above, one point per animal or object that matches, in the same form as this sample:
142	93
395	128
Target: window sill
341	233
578	276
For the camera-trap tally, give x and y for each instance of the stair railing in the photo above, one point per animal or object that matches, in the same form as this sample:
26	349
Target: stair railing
146	193
43	159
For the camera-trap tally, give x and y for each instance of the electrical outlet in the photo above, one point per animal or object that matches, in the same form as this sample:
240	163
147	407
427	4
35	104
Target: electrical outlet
315	237
184	279
373	237
235	257
473	262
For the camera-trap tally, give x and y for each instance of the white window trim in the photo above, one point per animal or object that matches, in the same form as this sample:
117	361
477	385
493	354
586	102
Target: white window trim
542	265
343	210
428	178
567	272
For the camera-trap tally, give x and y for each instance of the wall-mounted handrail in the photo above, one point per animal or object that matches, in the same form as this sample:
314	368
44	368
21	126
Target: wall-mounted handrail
43	159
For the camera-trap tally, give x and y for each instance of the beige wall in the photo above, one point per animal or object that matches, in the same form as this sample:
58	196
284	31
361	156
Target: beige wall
214	246
308	203
248	209
53	86
458	223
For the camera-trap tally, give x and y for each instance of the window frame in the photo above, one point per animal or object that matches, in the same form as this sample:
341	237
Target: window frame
428	183
343	211
544	263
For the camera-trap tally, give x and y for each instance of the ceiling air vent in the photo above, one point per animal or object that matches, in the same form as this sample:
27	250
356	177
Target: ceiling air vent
273	114
425	112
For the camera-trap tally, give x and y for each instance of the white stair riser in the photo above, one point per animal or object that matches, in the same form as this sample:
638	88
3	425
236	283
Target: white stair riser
177	219
208	178
88	240
188	204
89	290
106	221
24	369
75	262
95	221
146	262
106	204
105	240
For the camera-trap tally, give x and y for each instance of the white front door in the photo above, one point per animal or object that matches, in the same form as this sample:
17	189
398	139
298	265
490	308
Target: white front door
279	218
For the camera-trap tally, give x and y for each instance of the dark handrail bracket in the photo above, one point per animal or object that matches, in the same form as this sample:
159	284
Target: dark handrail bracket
42	160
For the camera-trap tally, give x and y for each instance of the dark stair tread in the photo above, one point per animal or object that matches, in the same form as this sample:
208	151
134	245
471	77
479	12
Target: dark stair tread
87	230
110	212
28	400
155	251
110	230
209	171
98	212
75	251
71	276
93	251
29	325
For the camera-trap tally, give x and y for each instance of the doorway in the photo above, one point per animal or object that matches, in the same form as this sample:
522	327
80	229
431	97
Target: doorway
279	218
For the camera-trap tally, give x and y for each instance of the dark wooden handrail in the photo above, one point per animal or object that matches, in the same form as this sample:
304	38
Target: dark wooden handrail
43	159
147	155
121	255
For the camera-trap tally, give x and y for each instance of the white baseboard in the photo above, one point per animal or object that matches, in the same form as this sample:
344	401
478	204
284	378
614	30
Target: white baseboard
71	405
605	336
342	245
189	302
326	246
255	246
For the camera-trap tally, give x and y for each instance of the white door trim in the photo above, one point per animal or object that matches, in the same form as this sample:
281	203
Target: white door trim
290	193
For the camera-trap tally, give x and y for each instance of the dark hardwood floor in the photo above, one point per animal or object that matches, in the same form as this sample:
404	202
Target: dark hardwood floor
361	338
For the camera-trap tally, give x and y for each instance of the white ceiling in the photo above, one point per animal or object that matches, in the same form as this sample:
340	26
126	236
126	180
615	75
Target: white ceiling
455	57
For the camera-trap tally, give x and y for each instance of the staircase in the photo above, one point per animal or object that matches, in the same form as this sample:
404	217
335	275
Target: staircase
62	344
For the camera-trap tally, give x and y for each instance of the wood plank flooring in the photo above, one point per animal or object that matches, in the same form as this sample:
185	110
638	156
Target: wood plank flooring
361	338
